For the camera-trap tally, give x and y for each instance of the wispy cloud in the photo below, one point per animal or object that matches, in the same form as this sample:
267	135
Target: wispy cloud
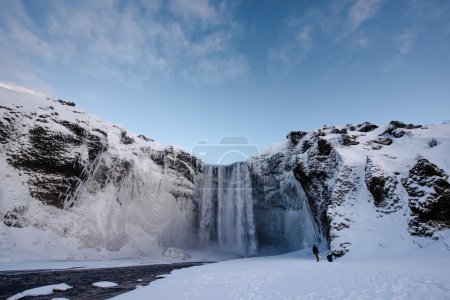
340	24
295	49
362	11
135	41
403	41
15	87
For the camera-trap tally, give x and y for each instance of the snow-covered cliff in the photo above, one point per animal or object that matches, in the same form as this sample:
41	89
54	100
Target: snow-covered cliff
74	186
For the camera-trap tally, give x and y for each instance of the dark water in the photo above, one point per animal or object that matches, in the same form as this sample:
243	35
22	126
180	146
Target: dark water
13	282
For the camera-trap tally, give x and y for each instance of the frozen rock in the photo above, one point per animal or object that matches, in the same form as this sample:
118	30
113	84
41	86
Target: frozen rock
429	198
41	291
104	284
176	254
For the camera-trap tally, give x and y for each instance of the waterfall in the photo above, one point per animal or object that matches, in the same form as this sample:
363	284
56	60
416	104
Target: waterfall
226	212
207	218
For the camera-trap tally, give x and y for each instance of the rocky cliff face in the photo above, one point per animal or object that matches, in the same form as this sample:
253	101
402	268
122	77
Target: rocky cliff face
343	169
90	183
89	188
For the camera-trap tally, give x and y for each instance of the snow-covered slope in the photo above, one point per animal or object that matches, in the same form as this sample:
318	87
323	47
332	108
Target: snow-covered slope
375	186
73	186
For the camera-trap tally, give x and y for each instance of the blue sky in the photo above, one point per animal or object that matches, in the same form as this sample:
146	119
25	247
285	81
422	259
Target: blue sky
180	71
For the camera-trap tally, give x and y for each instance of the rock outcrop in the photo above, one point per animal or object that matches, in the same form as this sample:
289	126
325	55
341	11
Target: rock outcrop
429	198
383	188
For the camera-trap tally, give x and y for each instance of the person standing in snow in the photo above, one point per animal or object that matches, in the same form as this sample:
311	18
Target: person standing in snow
330	257
315	252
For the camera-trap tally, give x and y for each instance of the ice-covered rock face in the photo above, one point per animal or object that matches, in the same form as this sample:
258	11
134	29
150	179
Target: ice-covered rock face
283	217
364	179
73	186
90	184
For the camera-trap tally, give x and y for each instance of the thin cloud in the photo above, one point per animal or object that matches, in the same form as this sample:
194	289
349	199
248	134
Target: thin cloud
339	24
15	87
403	42
362	11
131	41
295	49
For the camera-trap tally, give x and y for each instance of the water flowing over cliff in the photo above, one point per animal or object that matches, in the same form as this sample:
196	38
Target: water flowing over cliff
226	209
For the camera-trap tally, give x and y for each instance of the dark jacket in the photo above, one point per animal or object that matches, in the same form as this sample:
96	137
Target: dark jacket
315	250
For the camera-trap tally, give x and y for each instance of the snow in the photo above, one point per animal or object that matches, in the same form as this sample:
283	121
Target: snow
41	291
104	284
419	274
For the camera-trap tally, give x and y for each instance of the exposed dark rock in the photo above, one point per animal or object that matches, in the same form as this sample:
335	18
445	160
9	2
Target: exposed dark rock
5	131
181	162
274	162
301	175
125	139
321	132
382	187
324	147
432	143
334	130
383	141
398	124
75	128
143	137
350	127
376	188
158	157
395	128
295	136
95	146
366	127
376	146
429	198
306	145
54	169
100	131
343	249
313	178
348	140
343	131
68	103
398	133
5	107
14	217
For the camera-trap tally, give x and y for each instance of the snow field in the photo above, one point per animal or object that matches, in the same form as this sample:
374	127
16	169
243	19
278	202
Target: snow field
296	276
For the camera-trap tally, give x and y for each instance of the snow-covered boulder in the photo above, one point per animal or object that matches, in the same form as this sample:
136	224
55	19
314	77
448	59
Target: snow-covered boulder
176	253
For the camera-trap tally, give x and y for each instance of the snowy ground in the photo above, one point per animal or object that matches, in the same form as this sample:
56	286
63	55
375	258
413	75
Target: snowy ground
421	274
